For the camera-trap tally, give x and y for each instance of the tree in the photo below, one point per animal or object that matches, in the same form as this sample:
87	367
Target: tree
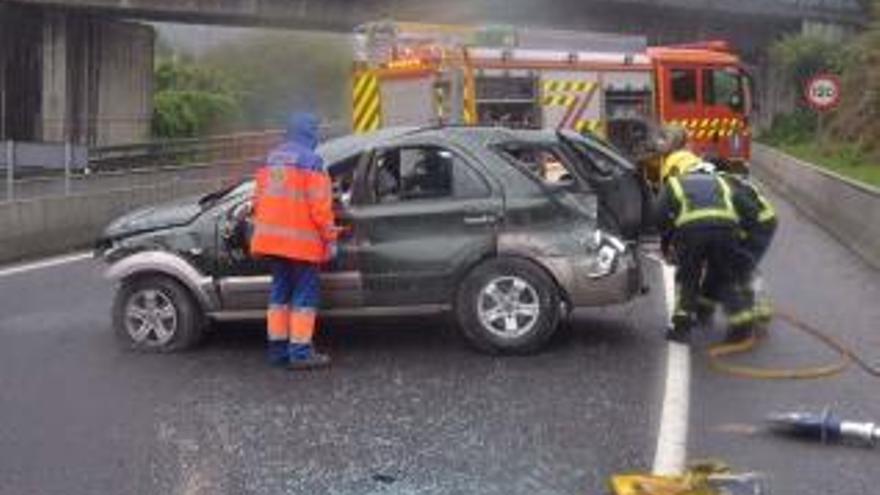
856	120
191	100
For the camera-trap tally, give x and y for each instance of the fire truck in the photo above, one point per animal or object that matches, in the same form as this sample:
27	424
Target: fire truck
613	86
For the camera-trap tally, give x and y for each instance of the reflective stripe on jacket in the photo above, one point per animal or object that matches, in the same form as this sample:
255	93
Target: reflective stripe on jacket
702	197
293	208
766	210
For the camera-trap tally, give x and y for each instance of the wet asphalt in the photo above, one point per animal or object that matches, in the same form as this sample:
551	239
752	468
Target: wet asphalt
408	407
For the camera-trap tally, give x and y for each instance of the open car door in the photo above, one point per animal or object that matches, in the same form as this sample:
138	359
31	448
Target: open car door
625	199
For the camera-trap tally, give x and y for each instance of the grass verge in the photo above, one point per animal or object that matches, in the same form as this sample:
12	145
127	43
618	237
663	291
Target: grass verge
844	160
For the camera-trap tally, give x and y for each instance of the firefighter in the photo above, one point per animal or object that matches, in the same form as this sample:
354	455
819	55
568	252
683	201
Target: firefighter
699	224
757	235
294	228
679	159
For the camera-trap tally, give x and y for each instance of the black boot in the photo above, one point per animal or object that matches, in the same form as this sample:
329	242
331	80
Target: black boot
314	361
304	357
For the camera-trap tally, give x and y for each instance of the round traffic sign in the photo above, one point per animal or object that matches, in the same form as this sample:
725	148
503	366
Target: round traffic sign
822	92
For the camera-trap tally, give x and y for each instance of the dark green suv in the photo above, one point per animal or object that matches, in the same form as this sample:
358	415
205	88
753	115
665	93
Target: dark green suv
508	230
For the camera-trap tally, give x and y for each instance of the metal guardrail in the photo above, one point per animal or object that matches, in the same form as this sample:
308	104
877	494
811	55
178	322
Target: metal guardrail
846	209
63	170
182	151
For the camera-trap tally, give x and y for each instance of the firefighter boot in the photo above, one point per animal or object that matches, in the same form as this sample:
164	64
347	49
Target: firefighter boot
680	331
304	357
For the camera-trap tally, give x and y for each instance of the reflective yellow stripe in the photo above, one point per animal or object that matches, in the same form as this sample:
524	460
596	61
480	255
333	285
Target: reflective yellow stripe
768	212
741	318
687	215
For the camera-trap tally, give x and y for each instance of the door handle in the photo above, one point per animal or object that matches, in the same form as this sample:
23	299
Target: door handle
483	219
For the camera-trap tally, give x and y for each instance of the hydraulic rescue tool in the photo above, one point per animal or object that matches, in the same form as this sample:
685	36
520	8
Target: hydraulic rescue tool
825	427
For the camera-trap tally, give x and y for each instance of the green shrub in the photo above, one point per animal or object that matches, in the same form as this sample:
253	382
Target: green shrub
793	128
192	100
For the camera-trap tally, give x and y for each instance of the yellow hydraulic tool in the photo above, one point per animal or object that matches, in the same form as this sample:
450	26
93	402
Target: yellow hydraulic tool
704	478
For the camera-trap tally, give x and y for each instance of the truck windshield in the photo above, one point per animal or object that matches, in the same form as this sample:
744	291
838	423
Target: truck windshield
723	86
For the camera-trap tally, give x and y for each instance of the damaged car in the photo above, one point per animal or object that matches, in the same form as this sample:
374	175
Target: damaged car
506	230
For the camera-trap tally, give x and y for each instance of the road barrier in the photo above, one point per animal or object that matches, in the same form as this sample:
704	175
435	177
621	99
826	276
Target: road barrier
41	216
32	228
849	210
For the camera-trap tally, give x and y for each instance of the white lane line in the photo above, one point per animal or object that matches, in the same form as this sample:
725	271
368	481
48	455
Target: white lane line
47	263
670	457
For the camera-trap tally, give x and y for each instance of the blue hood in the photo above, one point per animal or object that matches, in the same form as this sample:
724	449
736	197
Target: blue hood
302	129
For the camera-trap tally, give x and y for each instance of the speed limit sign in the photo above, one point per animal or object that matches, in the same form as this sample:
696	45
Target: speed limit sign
822	92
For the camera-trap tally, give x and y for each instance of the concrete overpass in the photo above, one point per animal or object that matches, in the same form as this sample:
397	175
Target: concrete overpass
93	65
341	15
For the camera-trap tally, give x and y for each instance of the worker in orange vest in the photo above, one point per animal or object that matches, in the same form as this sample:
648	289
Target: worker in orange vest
294	227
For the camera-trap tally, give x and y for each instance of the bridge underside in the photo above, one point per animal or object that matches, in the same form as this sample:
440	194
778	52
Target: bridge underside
93	67
342	15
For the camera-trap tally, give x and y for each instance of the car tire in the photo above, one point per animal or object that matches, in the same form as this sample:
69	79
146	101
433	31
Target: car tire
508	306
156	314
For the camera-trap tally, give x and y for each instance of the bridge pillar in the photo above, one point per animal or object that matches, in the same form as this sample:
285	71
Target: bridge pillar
66	76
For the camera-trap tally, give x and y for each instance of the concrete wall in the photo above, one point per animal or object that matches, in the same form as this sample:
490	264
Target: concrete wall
97	80
125	87
46	226
848	210
67	76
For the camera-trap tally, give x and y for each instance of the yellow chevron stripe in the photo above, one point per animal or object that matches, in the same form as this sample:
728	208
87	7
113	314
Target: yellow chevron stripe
360	84
567	86
558	101
366	115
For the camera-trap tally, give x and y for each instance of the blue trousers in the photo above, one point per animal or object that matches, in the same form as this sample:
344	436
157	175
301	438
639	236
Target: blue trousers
293	302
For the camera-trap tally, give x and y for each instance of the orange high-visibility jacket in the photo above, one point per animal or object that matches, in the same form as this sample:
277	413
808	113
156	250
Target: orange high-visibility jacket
293	207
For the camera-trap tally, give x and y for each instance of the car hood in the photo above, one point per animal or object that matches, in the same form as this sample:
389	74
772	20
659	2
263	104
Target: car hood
174	214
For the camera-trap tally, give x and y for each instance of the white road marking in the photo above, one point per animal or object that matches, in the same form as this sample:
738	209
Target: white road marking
670	457
47	263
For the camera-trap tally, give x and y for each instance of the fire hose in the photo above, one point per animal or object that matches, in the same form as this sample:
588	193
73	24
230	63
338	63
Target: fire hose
847	356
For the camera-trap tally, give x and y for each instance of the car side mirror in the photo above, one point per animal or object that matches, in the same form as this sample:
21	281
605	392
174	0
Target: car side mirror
237	229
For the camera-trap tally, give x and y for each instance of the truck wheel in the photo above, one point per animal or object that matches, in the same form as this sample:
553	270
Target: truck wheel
156	314
508	306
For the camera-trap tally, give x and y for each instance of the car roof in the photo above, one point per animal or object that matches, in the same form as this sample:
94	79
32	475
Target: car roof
335	150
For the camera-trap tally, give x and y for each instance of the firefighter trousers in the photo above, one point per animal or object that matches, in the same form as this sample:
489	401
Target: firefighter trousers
711	254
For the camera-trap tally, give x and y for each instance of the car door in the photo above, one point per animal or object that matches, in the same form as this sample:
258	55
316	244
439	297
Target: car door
245	280
429	212
624	195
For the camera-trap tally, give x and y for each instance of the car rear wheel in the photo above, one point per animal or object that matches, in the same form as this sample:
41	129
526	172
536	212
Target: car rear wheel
508	306
156	314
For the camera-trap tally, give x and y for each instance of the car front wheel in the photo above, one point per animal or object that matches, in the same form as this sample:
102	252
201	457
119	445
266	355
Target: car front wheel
156	314
508	306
